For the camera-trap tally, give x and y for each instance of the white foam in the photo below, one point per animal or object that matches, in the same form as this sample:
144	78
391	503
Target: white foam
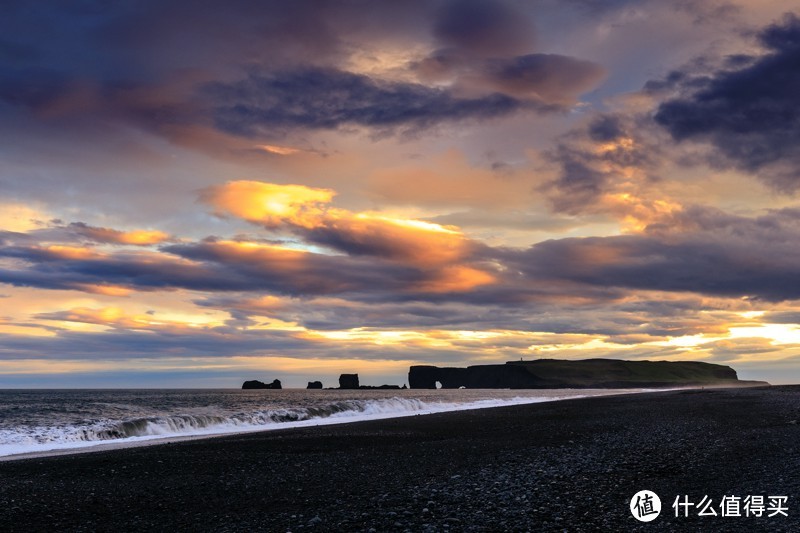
40	440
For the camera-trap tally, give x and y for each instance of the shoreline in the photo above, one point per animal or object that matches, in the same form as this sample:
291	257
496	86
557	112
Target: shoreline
81	447
571	464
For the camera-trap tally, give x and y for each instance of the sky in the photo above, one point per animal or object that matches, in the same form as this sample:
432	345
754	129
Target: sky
193	194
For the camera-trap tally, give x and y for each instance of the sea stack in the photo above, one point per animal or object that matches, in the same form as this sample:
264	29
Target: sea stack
348	381
255	384
314	385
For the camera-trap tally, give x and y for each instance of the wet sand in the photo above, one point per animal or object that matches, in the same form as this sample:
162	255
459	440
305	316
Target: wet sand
569	465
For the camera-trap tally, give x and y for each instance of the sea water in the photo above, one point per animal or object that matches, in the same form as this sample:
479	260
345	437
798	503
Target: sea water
50	420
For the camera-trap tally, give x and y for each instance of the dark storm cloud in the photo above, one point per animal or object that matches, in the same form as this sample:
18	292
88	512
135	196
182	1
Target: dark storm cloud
701	250
484	27
265	67
579	183
213	268
550	77
606	128
51	268
749	111
330	98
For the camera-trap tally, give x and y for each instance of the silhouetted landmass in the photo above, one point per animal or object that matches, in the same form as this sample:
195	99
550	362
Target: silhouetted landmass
314	385
348	381
588	373
255	384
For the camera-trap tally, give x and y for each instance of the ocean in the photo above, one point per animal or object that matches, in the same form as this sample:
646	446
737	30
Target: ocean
51	420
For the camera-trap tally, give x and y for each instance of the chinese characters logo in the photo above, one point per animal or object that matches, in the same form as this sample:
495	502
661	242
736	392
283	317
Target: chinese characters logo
645	505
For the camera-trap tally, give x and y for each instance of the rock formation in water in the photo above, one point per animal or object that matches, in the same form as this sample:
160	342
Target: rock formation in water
348	381
314	385
255	384
588	373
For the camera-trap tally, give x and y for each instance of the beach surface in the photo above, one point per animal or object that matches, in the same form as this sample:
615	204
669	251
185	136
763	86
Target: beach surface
569	465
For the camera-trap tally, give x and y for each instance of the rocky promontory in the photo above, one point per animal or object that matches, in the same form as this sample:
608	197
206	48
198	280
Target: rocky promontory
588	373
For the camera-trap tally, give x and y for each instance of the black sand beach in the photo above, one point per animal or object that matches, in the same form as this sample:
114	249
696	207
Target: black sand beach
571	465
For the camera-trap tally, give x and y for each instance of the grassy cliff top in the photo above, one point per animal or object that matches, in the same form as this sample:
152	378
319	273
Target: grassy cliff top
591	370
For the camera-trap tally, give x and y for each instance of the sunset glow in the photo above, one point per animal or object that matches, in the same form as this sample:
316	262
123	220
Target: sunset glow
373	189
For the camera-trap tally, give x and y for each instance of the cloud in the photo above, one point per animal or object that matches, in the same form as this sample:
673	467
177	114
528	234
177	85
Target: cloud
113	236
486	47
328	98
550	78
269	204
257	266
610	165
375	256
215	265
484	28
545	82
18	217
305	212
118	318
700	250
747	109
271	69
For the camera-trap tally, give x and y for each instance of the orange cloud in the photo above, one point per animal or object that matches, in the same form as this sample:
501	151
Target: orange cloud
72	252
440	252
276	256
305	211
105	290
409	241
268	203
638	213
620	182
455	279
115	317
278	150
113	236
20	217
142	237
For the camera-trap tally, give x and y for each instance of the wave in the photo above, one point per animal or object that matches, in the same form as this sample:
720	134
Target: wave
23	440
183	424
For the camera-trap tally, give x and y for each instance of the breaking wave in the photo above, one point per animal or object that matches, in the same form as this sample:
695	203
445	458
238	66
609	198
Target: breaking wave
43	438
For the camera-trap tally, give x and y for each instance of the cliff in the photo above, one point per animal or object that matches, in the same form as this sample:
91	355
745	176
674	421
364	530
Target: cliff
588	373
